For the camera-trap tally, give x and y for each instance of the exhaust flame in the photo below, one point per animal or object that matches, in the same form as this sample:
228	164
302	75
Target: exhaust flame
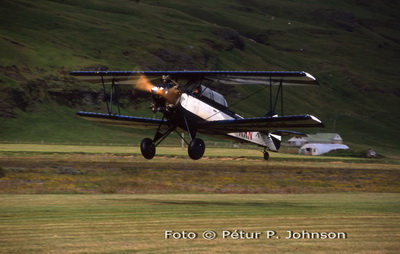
144	84
169	94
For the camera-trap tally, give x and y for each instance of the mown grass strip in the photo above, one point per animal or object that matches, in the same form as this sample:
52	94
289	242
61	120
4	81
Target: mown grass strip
129	223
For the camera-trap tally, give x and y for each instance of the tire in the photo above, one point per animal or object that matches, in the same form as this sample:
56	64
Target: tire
148	148
196	149
266	156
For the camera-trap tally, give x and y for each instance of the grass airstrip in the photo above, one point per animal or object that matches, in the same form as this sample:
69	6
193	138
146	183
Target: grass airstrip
108	199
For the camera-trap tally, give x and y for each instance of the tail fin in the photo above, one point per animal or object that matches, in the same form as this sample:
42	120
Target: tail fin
274	142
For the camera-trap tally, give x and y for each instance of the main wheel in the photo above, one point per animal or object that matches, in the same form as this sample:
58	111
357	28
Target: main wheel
196	148
148	148
266	155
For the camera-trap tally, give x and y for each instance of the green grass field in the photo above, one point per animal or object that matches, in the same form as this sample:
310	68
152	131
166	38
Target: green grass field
97	197
138	223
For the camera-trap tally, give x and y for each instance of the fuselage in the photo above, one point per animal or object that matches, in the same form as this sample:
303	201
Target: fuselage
198	109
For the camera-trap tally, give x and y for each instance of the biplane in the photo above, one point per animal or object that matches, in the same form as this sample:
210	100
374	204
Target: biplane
188	104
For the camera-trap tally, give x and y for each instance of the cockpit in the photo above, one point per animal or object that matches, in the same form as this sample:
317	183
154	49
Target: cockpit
212	95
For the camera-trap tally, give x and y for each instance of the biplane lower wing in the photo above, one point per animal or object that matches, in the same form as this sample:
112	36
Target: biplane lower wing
125	121
261	124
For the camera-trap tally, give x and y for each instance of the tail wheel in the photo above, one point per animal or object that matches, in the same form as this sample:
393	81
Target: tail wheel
266	155
148	148
196	148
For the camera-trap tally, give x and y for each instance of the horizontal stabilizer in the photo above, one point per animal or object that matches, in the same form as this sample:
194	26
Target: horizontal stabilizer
289	133
261	124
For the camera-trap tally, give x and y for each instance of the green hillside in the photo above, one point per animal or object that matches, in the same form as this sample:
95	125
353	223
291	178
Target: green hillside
352	47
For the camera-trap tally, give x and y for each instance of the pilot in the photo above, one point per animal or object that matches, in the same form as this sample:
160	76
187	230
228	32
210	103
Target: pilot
197	91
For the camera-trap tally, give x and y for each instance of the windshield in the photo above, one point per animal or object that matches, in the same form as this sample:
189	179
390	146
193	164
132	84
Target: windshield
217	97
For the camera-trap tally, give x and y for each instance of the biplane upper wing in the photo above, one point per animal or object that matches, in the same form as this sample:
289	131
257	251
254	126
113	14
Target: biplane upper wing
291	78
260	124
224	77
125	121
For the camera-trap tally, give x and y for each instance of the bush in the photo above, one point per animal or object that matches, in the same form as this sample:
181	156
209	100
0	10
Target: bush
359	153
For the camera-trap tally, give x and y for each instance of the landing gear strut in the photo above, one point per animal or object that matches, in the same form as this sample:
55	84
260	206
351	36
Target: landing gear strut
148	145
196	146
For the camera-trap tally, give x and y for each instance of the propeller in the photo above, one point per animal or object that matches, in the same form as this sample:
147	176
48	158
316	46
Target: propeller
170	94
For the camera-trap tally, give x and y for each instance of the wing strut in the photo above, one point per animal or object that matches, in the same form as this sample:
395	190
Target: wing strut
279	95
114	93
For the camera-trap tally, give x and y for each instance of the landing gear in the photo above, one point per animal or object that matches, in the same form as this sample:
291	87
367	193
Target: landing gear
266	155
148	148
196	148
